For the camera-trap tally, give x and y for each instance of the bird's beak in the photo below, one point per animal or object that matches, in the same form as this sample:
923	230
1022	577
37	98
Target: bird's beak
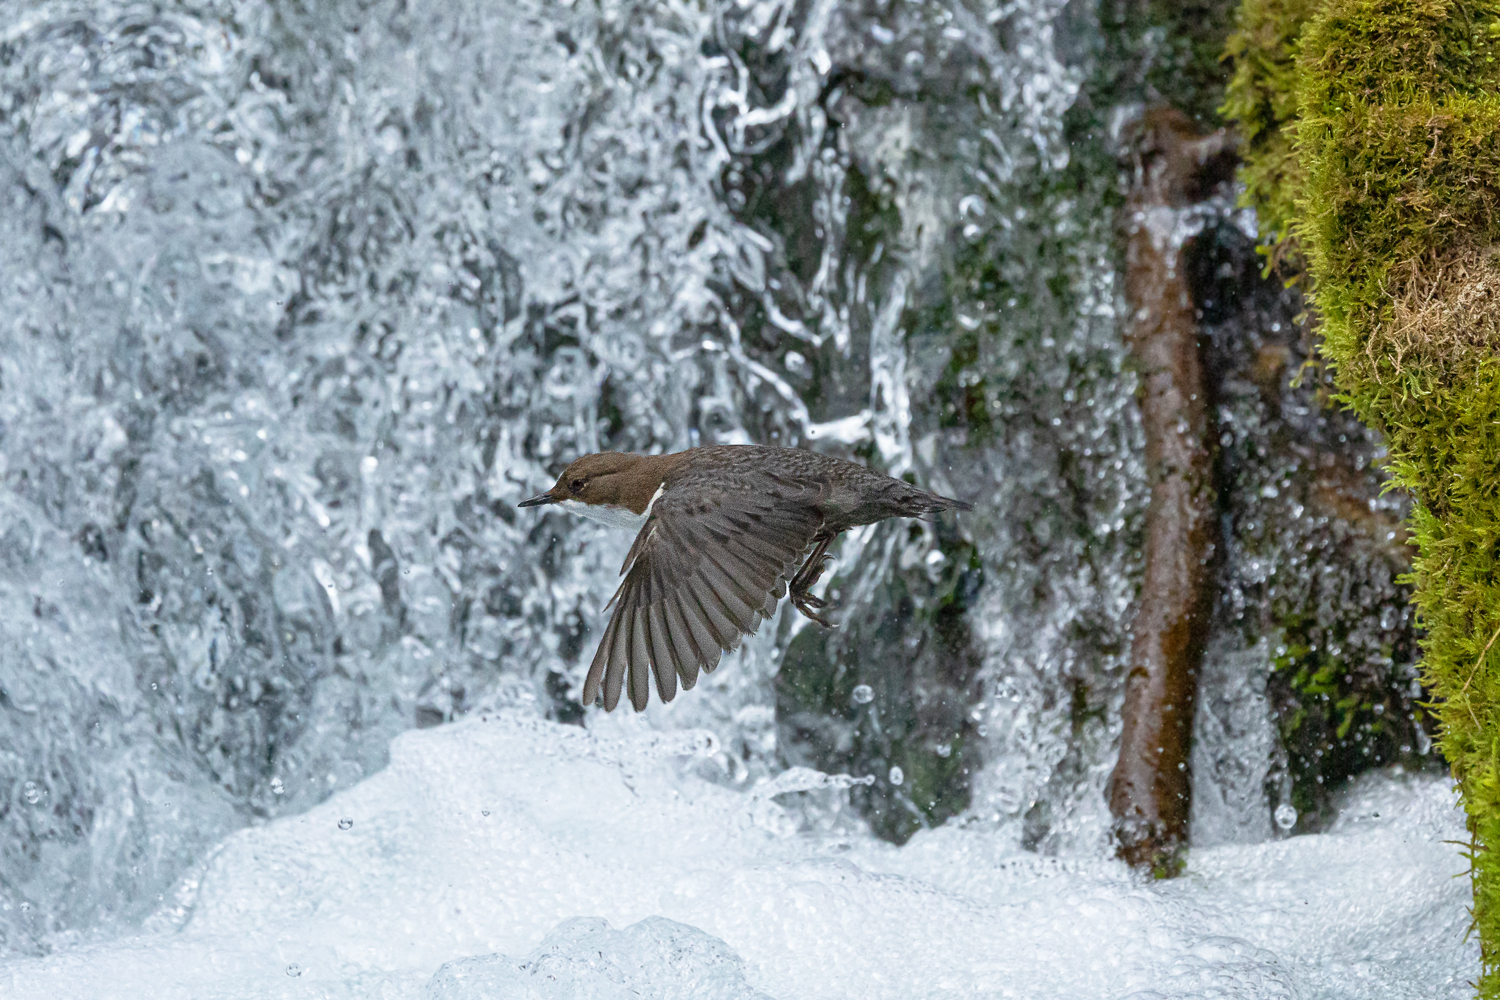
537	501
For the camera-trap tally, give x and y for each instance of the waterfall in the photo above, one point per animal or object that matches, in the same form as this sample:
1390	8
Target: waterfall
298	300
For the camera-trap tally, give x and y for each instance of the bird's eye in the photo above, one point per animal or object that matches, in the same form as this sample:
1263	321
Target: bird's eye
576	486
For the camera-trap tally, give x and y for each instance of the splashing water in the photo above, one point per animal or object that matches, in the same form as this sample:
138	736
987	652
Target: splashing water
297	302
680	892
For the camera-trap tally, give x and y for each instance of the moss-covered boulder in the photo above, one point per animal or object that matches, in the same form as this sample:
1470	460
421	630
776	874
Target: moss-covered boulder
1394	194
1399	136
1262	99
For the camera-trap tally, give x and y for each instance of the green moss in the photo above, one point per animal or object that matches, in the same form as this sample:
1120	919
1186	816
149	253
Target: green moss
1339	712
1395	198
1447	446
1262	98
1412	178
1398	142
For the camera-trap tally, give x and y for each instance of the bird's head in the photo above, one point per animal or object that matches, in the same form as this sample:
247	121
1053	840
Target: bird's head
608	479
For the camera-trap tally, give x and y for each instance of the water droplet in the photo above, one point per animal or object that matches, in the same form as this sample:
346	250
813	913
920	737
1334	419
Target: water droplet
277	788
1286	816
32	792
863	695
346	824
897	775
294	970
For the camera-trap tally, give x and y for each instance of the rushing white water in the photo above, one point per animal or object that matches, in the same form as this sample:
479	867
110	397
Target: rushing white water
506	836
297	301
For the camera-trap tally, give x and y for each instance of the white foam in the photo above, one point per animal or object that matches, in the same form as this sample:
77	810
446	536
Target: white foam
485	837
586	958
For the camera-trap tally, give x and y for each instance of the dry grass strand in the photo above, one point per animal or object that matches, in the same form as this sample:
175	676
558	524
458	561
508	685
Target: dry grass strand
1443	307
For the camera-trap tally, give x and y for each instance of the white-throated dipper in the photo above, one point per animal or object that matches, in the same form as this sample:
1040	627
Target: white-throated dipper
723	531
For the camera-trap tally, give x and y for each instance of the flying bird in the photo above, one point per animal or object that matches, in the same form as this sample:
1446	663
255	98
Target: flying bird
724	533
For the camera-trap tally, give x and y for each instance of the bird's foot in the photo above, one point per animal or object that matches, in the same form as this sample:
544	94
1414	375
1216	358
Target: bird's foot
809	606
806	577
802	597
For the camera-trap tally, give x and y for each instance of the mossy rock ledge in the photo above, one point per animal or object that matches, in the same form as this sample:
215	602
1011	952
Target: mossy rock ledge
1393	198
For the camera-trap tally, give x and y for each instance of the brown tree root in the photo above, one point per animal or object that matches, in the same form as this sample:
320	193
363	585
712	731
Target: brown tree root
1150	789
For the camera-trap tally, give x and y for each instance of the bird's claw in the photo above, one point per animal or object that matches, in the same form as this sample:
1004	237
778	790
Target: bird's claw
809	606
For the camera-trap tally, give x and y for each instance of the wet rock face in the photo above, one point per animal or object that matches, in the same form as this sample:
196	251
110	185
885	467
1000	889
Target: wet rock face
942	262
889	693
1315	552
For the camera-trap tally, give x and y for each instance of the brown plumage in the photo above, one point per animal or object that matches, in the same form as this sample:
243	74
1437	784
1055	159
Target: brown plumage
724	533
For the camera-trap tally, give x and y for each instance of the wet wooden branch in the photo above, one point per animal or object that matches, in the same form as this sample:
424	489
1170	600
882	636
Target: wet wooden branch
1150	790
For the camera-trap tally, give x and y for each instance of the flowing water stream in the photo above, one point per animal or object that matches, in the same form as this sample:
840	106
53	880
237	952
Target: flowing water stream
297	300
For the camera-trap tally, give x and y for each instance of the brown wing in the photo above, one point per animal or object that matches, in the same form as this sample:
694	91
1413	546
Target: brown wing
700	576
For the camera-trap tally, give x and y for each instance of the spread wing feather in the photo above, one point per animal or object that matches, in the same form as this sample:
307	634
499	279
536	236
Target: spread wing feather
701	575
640	657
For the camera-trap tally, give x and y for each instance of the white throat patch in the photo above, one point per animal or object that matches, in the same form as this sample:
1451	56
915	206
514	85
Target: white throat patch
615	517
